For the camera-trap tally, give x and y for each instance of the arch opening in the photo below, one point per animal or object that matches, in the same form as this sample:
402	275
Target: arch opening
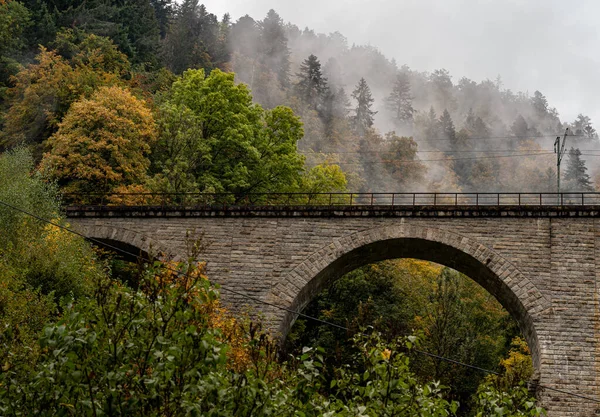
496	275
123	251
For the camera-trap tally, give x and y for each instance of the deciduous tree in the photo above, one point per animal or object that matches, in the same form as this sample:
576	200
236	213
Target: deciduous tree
102	143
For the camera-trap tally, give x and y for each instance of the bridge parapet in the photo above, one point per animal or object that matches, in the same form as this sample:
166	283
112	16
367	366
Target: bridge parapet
325	211
223	200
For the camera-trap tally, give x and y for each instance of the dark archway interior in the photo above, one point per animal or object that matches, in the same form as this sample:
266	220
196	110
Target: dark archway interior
428	251
121	250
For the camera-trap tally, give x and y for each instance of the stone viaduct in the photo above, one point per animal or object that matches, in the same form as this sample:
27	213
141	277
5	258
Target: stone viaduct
541	263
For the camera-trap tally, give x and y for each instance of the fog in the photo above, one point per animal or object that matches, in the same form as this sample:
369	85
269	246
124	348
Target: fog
545	45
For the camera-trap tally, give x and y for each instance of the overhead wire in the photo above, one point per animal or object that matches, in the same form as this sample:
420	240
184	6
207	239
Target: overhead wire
483	138
446	159
282	308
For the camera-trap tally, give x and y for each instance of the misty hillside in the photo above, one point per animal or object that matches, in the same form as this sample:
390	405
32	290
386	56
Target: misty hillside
455	116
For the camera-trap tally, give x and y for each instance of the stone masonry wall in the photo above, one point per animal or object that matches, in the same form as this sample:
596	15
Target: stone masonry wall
543	269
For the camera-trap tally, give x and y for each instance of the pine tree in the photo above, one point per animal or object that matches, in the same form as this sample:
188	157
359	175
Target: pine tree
312	86
583	127
399	102
519	127
163	10
336	108
431	125
475	126
447	126
539	103
363	118
275	47
576	176
193	39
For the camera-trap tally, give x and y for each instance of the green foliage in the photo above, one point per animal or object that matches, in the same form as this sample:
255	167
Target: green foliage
43	256
131	25
506	394
14	21
39	263
195	39
312	86
454	316
517	402
214	139
323	178
154	352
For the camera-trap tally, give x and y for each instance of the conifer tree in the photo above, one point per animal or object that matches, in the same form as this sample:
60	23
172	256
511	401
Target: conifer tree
576	176
432	125
475	126
540	103
275	47
336	108
312	86
447	127
363	117
519	127
194	39
583	127
399	102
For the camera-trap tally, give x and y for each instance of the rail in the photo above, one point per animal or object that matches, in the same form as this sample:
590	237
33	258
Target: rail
220	200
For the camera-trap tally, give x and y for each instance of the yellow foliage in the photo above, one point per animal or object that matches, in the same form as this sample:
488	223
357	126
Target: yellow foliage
43	92
102	143
231	330
518	366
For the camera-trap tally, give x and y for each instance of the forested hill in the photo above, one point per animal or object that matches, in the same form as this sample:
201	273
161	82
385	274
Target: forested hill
389	127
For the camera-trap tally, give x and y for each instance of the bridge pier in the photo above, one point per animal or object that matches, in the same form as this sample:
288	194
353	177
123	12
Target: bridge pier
542	266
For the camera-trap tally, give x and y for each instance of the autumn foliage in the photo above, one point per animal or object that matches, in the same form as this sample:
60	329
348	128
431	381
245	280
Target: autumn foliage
102	143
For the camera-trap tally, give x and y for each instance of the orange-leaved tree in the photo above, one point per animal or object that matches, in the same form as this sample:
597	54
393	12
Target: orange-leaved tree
102	143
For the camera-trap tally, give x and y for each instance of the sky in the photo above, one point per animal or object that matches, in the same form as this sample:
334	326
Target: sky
547	45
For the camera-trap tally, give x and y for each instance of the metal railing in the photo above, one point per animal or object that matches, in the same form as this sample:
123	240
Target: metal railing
210	200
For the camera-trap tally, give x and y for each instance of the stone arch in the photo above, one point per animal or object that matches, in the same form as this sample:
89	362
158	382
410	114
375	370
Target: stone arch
128	240
487	267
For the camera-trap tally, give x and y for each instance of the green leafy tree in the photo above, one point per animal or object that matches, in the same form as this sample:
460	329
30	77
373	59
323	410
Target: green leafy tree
39	264
231	144
454	316
157	351
401	161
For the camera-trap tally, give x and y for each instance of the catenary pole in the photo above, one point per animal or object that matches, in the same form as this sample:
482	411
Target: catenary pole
559	150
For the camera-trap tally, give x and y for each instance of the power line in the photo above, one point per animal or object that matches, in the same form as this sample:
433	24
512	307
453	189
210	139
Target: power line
248	297
483	138
514	151
435	151
447	159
